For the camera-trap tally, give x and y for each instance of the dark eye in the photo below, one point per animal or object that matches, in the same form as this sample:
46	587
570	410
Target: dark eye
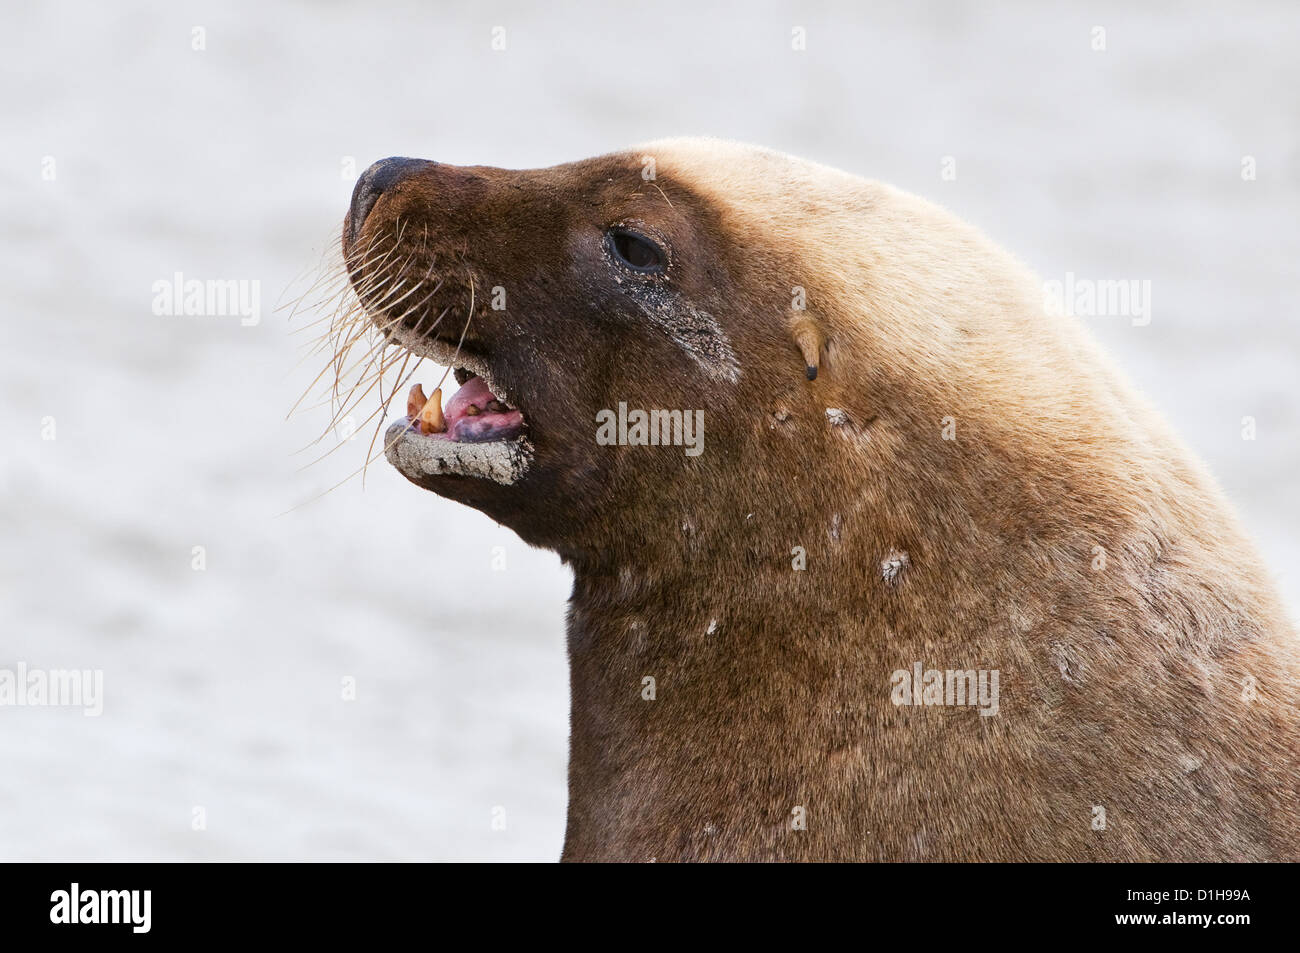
635	251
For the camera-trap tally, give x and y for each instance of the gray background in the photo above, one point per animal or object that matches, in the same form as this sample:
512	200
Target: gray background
223	687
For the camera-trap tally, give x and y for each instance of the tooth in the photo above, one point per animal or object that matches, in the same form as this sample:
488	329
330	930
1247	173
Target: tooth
415	401
472	410
431	418
496	407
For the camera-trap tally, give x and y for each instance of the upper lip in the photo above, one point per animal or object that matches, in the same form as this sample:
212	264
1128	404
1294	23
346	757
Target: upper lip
463	362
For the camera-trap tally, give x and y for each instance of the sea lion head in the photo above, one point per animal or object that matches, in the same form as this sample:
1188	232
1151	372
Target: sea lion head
721	284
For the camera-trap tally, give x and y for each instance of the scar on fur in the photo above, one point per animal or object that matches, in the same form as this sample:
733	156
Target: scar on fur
811	342
696	332
893	565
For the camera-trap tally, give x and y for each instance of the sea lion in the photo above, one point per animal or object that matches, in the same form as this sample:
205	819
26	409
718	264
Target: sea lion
939	585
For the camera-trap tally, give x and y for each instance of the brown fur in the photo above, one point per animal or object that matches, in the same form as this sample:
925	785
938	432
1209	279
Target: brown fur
1124	687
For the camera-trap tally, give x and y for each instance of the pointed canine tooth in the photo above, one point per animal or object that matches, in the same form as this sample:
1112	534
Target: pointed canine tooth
415	401
431	418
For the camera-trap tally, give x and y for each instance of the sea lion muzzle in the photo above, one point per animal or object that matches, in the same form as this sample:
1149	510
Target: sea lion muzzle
377	179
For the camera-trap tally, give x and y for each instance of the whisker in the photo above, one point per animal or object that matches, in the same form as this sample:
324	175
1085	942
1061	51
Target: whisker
360	300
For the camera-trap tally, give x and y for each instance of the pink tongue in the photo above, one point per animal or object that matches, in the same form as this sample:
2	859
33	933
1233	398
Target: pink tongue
473	391
483	426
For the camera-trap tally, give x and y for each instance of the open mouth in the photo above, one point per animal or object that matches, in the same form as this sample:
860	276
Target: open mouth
473	415
476	434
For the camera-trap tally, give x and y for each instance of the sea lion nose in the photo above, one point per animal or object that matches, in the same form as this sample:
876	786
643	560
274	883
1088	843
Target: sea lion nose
377	179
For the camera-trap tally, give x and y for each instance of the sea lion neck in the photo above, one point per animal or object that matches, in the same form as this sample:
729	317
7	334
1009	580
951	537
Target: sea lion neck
703	667
703	705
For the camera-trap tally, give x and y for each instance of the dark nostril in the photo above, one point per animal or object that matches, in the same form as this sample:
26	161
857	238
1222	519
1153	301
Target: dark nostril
376	180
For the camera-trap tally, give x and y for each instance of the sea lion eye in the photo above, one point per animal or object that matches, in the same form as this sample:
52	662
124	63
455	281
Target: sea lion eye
635	250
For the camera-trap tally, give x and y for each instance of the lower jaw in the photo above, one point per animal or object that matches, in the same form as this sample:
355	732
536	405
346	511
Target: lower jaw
421	456
461	447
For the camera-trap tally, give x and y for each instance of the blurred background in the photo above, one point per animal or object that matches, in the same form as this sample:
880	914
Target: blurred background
130	155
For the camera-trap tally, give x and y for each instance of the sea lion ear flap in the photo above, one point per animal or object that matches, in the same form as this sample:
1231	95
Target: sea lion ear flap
811	342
